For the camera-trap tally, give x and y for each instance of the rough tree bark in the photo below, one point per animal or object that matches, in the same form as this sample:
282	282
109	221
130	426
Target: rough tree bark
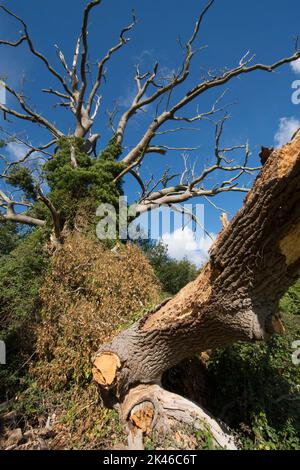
235	298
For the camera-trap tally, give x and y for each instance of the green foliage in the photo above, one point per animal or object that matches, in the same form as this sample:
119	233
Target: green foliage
9	237
24	259
73	190
257	390
32	404
112	151
205	440
21	178
176	274
21	274
182	436
290	302
172	274
86	186
19	277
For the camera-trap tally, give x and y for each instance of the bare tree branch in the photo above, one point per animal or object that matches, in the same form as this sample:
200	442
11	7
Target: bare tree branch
13	44
190	185
105	59
10	214
40	56
30	115
42	149
135	153
180	77
84	54
62	59
152	88
56	93
156	149
206	114
54	213
139	180
8	204
30	152
111	117
177	129
97	105
179	194
73	76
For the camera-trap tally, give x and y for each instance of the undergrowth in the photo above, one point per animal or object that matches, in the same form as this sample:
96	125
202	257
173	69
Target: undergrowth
257	390
63	308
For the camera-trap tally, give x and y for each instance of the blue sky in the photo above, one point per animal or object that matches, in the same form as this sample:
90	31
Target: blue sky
262	101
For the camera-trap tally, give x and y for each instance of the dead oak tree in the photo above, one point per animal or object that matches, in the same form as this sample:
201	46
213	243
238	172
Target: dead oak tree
83	100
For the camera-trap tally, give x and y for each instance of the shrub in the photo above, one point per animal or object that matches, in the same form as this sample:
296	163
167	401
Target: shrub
9	237
290	302
173	274
88	184
62	315
21	275
88	294
257	390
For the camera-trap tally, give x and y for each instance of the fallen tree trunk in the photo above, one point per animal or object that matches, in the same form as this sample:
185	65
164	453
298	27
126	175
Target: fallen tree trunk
148	407
235	298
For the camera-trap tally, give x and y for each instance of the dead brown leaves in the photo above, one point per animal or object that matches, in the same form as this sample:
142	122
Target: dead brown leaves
88	293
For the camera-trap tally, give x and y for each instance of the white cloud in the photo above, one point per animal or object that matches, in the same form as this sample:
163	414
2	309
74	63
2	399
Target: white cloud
16	151
126	101
167	73
296	66
146	56
182	244
286	130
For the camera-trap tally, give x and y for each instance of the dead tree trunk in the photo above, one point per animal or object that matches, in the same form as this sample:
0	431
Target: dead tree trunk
252	263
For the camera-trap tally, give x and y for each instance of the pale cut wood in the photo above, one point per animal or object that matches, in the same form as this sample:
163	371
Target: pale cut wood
105	369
